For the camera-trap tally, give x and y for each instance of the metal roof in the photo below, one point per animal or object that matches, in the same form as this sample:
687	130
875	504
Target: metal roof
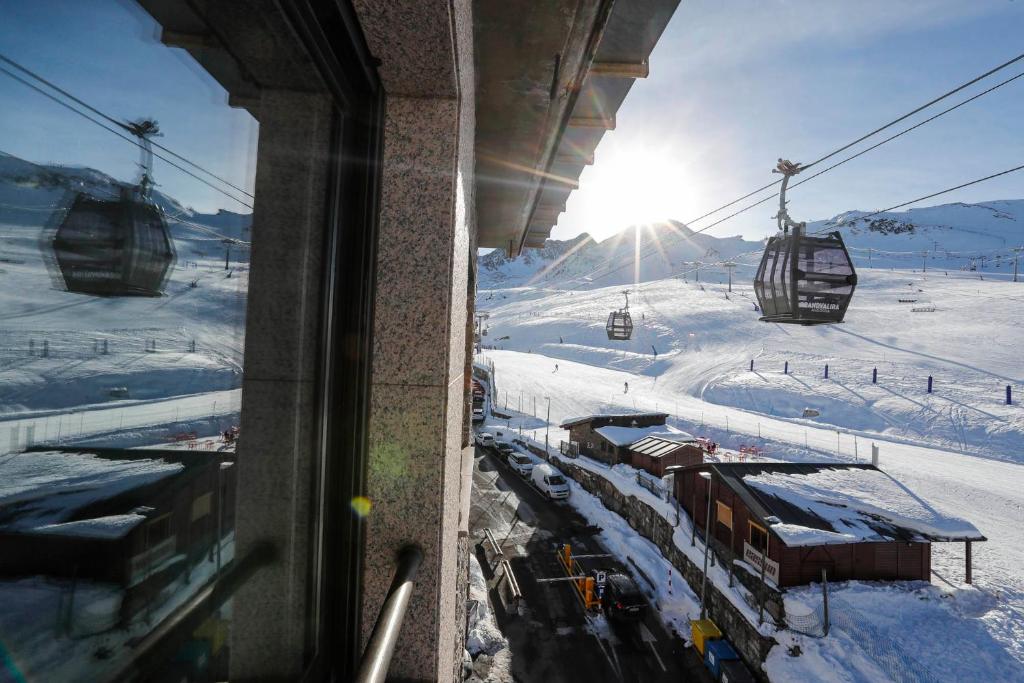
656	446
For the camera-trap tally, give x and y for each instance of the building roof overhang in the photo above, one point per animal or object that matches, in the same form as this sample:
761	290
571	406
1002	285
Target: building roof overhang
550	80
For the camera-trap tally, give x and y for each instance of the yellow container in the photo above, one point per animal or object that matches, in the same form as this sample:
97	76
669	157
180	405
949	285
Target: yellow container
703	630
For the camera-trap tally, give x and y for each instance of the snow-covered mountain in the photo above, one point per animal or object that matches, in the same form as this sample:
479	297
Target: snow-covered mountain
947	237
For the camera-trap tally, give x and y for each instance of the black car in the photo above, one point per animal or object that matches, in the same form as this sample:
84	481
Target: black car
622	598
504	447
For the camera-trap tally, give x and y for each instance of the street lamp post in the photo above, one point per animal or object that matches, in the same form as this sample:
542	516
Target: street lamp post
547	425
673	470
706	476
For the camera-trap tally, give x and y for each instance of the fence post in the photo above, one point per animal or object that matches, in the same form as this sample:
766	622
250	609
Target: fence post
751	364
826	370
105	350
46	348
929	384
1009	395
824	598
785	369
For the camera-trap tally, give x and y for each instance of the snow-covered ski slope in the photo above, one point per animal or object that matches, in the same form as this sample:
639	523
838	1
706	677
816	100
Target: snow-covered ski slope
188	342
960	448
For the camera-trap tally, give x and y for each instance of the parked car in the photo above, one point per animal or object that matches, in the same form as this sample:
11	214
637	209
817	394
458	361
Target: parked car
622	598
550	482
504	447
520	463
478	414
484	439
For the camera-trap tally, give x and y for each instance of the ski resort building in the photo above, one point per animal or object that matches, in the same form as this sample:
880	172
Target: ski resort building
851	521
654	453
120	518
639	439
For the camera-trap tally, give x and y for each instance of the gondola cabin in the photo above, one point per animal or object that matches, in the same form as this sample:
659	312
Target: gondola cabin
114	247
619	326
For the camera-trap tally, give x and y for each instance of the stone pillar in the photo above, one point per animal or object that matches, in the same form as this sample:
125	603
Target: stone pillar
277	444
418	405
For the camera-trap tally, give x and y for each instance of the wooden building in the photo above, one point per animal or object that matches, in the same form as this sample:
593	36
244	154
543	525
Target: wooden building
607	437
655	453
137	519
852	521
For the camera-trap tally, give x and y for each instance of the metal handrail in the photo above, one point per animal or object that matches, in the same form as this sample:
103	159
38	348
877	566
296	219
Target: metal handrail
377	656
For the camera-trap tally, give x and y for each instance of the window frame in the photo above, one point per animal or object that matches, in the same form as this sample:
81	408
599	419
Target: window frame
751	525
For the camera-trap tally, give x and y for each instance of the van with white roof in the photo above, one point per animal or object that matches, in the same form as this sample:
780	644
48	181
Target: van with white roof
550	482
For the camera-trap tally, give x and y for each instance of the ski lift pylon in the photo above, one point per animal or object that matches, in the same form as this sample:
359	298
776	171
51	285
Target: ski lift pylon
803	279
620	323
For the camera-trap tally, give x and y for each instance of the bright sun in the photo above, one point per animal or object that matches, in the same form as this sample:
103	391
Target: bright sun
635	185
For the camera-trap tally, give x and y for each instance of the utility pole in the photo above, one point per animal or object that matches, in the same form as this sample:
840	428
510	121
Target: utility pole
729	265
1016	255
547	424
697	263
924	261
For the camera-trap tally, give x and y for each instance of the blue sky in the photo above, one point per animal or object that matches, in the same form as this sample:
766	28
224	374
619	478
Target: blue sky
735	85
108	53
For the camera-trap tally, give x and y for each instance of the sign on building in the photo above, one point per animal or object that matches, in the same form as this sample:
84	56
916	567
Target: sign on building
755	558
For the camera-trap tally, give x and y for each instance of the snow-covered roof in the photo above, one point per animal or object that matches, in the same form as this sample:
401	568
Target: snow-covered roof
108	527
570	421
44	490
818	504
625	436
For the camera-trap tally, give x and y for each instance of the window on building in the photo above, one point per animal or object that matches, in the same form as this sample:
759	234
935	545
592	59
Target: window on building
724	514
140	144
758	536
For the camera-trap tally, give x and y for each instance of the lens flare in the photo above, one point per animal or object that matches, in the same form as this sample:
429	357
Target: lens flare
361	506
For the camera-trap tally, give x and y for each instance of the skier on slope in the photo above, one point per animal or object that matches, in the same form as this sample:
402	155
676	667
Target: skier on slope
625	390
556	367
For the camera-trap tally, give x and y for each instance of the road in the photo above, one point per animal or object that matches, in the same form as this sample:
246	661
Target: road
553	639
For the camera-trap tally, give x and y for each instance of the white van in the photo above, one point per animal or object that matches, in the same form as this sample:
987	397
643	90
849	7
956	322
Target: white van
550	481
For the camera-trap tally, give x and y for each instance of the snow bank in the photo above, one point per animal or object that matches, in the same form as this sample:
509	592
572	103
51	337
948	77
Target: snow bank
492	659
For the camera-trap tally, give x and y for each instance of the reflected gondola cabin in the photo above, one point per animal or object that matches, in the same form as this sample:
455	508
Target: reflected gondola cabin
118	247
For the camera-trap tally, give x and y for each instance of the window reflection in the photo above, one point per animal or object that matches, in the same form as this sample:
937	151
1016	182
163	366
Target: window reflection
126	195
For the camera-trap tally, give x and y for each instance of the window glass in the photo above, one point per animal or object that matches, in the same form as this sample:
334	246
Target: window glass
758	537
128	162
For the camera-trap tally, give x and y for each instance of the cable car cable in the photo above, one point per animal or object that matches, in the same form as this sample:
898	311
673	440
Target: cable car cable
833	166
915	111
114	121
920	199
119	134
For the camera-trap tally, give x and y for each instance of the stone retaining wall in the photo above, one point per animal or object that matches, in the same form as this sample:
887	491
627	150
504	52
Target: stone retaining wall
748	642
